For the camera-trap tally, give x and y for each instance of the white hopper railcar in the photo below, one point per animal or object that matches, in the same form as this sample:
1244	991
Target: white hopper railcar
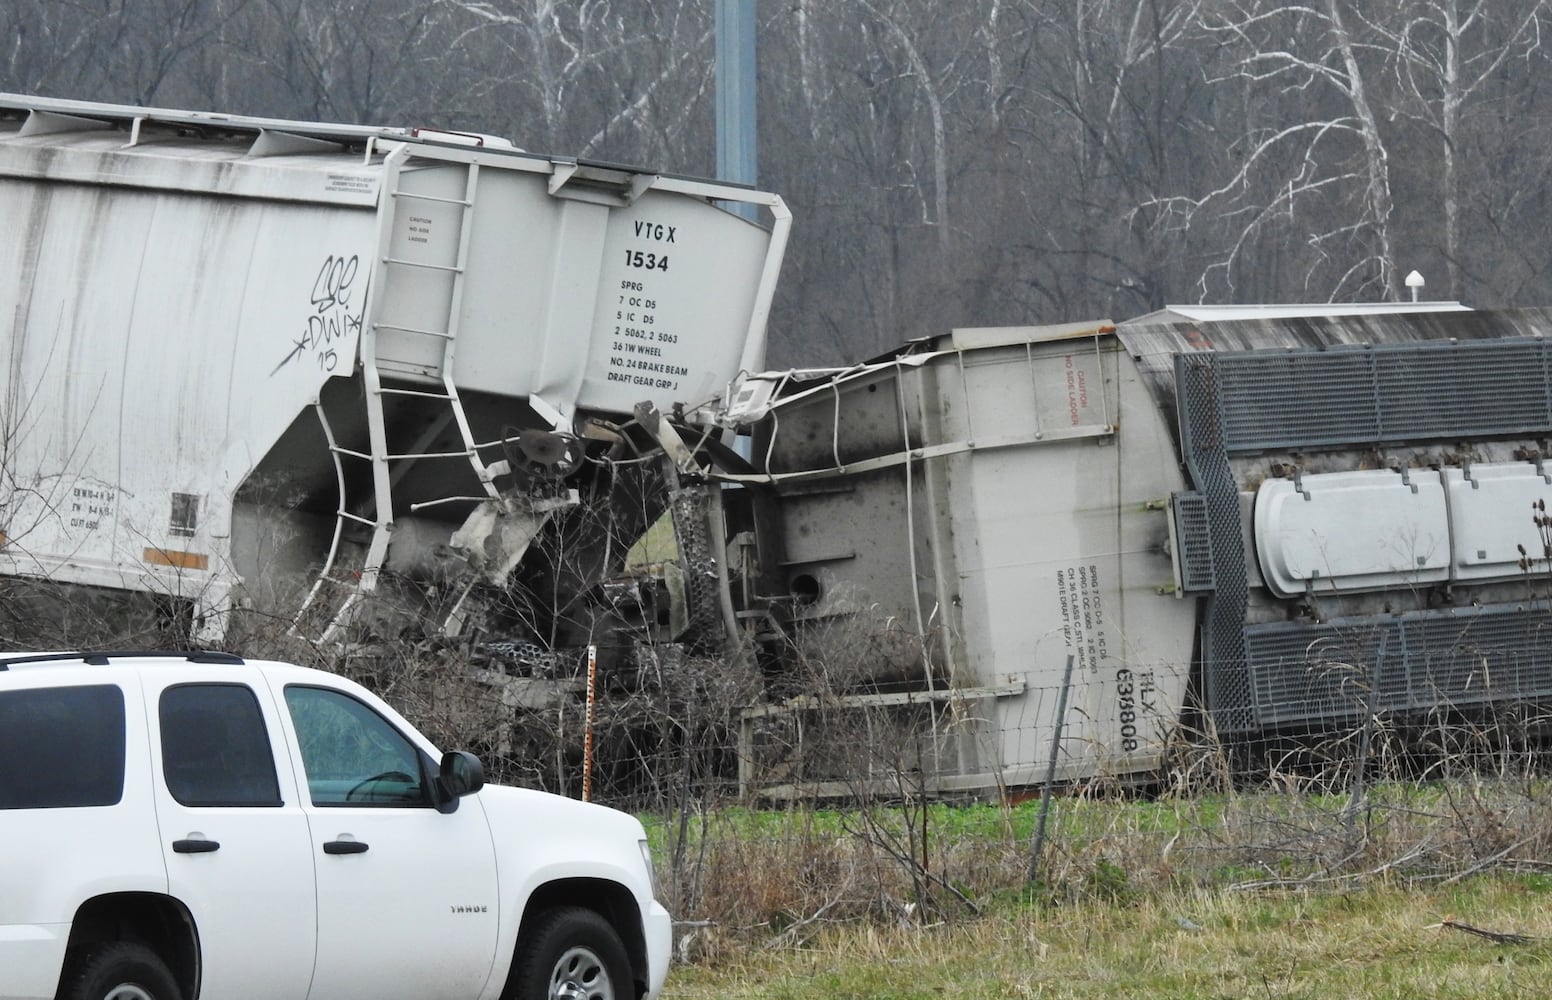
247	357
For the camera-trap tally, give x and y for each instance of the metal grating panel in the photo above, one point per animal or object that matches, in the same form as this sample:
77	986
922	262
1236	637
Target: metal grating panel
1252	401
1309	398
1223	622
1315	673
700	580
1463	389
1426	660
1194	539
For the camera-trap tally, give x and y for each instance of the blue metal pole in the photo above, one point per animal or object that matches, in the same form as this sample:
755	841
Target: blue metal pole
736	86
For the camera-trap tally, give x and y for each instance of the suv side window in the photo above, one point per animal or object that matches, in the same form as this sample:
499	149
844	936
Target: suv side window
352	755
215	749
61	747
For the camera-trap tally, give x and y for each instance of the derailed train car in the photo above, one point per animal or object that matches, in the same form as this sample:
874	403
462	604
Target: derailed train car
1061	543
292	365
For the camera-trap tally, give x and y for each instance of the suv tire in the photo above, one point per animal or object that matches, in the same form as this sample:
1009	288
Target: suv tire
572	953
120	970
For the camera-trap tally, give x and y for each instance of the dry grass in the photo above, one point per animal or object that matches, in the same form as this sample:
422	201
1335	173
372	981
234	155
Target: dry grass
755	876
1383	941
1273	892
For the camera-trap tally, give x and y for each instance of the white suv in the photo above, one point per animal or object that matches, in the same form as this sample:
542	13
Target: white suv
175	826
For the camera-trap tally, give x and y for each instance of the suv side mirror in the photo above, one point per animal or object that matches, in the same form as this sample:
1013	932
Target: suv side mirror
460	774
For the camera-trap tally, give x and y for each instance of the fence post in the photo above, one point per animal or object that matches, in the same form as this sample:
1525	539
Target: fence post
587	736
1050	773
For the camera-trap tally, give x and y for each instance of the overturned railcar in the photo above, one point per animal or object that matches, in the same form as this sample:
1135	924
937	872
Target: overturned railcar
285	364
1035	552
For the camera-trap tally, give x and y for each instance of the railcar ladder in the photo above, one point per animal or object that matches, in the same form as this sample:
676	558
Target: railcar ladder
389	465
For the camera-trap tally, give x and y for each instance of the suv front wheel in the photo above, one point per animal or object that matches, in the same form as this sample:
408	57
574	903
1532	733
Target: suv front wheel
120	970
572	953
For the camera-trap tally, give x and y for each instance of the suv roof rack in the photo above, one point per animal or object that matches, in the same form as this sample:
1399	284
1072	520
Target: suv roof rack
101	658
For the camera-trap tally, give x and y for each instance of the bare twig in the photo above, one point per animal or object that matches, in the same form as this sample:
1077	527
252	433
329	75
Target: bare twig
1497	937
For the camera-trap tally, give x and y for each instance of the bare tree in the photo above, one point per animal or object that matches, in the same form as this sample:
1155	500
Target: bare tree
1447	55
49	48
876	108
355	60
596	78
1119	97
1313	162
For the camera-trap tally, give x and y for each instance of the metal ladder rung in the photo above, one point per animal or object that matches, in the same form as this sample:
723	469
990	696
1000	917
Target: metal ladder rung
356	518
389	391
444	334
482	445
466	203
399	457
454	268
432	503
426	454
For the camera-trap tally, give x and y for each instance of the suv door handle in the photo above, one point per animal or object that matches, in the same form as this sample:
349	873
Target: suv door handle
195	846
344	847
